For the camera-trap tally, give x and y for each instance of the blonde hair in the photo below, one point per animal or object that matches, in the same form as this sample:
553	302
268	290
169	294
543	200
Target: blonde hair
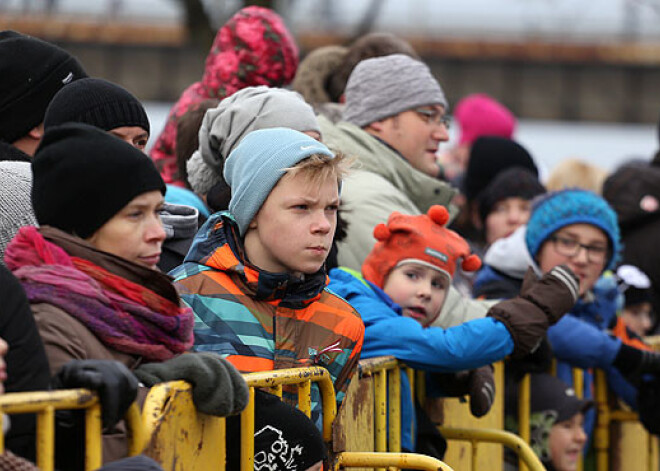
576	173
319	167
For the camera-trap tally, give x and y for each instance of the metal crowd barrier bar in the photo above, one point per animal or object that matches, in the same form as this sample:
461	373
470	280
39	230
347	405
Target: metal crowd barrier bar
508	439
45	403
397	460
274	380
387	415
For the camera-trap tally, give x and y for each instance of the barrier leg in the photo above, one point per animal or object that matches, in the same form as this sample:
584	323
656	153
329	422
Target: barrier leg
247	435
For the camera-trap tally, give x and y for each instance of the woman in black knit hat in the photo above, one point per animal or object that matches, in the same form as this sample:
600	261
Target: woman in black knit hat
88	271
113	109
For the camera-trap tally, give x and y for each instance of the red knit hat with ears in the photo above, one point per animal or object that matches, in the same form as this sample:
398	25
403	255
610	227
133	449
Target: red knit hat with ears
420	239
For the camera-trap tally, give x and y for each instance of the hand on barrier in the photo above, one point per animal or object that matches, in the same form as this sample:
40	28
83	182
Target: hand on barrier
111	380
217	386
541	303
481	387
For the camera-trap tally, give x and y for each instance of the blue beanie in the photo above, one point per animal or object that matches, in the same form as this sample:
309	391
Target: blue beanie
562	208
256	165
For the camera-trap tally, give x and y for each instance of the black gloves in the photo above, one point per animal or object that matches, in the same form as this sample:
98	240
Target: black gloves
112	381
479	384
539	361
633	362
541	303
217	387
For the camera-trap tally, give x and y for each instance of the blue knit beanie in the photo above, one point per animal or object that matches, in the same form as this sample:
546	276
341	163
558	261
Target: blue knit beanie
558	209
256	165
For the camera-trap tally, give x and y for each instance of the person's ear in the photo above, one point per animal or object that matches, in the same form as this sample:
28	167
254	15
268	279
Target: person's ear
37	132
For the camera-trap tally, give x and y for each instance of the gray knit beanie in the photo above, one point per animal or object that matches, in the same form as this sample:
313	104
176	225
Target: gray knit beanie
257	164
385	86
247	110
15	204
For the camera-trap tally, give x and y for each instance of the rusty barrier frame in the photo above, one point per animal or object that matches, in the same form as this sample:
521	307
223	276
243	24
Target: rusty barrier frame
385	370
45	403
273	381
396	460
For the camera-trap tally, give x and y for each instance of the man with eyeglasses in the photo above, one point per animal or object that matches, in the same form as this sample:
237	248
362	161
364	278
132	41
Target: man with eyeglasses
576	228
394	120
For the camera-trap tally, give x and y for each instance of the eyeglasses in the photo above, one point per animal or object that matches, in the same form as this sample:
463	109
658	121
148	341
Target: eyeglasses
434	117
571	247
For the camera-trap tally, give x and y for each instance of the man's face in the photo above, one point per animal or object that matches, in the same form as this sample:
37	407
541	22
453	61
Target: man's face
416	134
293	230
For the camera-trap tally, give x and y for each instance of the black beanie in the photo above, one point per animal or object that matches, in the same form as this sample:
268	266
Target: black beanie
515	182
32	71
83	176
488	157
97	102
284	438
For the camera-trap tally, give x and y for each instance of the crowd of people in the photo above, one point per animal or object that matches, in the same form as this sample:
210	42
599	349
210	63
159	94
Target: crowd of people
309	213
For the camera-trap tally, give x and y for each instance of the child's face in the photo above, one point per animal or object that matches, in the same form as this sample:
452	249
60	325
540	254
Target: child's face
293	230
505	217
419	290
569	245
638	318
566	442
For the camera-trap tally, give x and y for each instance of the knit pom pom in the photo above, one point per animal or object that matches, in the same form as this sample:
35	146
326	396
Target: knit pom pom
471	263
438	214
381	232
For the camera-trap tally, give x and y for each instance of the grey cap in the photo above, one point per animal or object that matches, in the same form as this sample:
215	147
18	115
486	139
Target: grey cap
247	110
385	86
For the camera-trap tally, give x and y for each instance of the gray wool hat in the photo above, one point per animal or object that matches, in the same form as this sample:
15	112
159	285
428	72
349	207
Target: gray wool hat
385	86
257	164
247	110
15	203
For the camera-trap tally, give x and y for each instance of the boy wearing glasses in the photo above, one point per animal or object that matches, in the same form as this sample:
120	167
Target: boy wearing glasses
576	228
394	120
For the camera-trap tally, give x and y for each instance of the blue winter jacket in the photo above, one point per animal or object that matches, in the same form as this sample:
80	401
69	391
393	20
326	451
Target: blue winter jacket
467	346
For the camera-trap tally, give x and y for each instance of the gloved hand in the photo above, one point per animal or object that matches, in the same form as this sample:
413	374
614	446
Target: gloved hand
541	303
538	361
112	381
479	384
217	387
633	363
481	387
648	401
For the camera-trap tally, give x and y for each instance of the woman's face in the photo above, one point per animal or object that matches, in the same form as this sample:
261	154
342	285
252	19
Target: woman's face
583	247
135	232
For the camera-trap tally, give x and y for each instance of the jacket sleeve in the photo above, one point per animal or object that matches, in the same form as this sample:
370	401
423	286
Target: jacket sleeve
581	344
470	345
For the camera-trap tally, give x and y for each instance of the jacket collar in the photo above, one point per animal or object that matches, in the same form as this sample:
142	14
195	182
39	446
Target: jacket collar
380	158
11	153
219	246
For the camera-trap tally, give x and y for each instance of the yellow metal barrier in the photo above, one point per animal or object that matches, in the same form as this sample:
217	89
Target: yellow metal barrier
397	460
507	439
387	416
180	438
274	380
45	403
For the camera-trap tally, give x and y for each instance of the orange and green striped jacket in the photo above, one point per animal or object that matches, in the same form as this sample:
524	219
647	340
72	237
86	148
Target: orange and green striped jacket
264	321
